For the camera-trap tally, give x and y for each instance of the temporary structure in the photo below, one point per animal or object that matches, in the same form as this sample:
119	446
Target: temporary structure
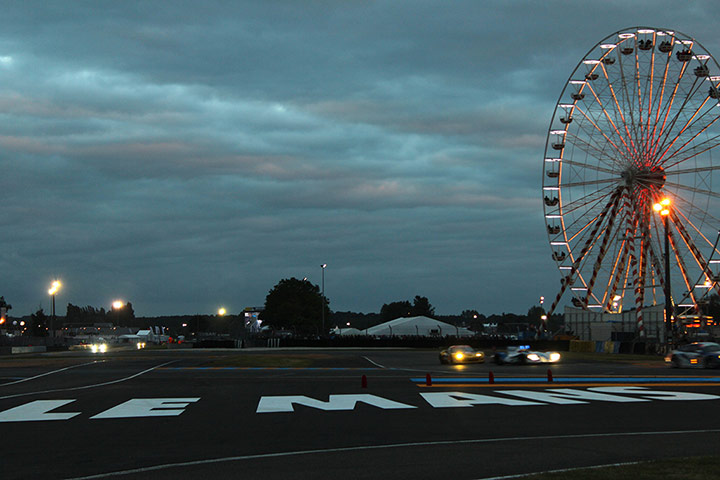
420	326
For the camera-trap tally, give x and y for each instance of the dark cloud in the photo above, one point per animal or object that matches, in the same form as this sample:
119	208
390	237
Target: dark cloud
190	154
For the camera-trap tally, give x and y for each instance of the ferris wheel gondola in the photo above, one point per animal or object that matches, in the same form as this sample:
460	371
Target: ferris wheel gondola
636	122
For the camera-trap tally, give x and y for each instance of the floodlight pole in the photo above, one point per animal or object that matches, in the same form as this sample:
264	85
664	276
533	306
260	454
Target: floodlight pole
668	295
322	308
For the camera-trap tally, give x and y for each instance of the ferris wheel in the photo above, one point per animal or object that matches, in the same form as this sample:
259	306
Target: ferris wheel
636	123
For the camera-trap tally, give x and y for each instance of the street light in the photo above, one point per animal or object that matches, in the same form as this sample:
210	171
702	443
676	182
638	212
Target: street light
222	311
322	310
117	305
54	288
663	208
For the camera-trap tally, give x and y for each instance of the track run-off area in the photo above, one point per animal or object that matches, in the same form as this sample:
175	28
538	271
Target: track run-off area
329	413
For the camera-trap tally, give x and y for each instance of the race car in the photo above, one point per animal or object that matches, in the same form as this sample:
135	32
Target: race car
695	355
522	354
461	354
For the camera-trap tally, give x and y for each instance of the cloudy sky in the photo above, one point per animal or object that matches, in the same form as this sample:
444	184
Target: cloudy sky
185	155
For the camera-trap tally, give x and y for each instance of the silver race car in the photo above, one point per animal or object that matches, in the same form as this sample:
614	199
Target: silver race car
695	355
522	355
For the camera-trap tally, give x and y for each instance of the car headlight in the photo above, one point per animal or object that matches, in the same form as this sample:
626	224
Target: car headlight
534	357
478	354
94	348
554	357
459	356
103	348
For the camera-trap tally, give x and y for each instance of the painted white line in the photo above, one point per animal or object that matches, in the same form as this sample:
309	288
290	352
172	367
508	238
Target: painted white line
382	447
561	470
83	387
50	373
374	363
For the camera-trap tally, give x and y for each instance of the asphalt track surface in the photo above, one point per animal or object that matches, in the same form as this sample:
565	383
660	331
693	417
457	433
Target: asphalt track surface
214	425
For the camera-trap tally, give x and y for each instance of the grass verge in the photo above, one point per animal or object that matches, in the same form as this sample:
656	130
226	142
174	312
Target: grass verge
685	468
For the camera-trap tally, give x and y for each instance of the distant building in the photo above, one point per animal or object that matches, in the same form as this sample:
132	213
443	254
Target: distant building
620	327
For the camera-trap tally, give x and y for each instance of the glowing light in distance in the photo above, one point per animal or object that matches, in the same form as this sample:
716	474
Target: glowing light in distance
662	206
222	311
118	304
54	287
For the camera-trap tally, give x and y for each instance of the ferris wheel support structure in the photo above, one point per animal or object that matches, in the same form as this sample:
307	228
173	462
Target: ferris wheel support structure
636	122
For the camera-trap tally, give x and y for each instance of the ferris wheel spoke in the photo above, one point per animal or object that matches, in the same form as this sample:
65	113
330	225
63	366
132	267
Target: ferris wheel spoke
590	182
698	149
668	57
628	105
691	170
610	232
649	84
618	111
668	108
591	150
688	124
591	167
618	266
697	230
706	275
662	140
693	189
593	198
696	212
680	263
609	119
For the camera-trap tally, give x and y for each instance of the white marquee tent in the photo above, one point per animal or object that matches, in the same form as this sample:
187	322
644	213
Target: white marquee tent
421	326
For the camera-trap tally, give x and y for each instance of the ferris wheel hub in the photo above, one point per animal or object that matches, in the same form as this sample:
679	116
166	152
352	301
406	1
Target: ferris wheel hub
644	176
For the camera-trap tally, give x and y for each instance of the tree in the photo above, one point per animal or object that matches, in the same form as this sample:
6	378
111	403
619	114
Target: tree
391	311
88	314
421	307
473	319
534	315
4	307
38	324
122	316
296	305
